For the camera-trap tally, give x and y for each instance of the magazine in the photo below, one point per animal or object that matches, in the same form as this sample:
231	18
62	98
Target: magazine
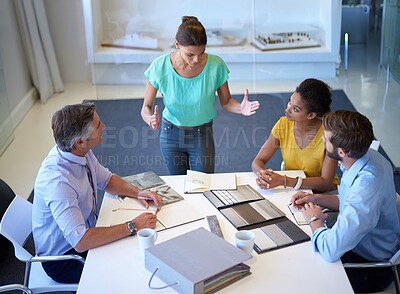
151	181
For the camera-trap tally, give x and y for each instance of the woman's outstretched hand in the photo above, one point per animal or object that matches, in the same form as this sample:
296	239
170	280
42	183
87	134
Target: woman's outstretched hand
155	119
248	107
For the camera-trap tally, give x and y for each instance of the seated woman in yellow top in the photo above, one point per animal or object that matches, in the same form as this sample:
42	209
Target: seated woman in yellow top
299	134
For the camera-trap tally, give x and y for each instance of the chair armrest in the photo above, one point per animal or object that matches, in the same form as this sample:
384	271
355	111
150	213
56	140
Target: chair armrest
367	264
6	288
57	258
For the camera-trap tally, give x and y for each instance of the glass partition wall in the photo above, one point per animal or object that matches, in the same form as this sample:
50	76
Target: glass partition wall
259	40
390	45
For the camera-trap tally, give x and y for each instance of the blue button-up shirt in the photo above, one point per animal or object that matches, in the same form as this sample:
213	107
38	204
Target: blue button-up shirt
368	222
63	206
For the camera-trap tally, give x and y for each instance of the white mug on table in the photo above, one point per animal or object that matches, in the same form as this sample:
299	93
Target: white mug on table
147	238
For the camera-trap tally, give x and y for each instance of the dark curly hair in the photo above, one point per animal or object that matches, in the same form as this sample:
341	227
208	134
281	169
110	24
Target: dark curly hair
316	95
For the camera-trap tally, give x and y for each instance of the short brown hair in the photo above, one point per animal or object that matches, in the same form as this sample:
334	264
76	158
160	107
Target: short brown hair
71	123
350	130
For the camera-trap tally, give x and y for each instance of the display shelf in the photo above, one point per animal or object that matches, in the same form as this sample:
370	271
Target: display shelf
245	61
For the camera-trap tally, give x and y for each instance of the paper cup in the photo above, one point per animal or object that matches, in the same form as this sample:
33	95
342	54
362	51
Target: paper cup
245	240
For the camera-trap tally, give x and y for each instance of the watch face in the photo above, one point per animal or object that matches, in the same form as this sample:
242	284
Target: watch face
132	228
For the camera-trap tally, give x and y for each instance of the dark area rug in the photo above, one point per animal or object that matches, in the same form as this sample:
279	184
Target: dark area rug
130	147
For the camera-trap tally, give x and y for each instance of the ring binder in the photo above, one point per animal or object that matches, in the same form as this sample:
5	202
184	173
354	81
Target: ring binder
217	262
163	287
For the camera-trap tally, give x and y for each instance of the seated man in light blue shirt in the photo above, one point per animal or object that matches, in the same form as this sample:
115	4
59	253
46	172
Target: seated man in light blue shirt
367	227
64	206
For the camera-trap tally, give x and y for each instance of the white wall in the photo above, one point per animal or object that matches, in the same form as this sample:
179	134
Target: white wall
16	75
66	24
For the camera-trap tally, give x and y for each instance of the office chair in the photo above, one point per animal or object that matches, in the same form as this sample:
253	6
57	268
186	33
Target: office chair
19	287
16	226
393	263
6	196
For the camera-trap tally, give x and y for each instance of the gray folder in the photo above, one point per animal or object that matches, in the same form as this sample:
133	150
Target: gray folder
192	258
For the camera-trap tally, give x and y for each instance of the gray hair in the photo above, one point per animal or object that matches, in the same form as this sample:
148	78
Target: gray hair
71	123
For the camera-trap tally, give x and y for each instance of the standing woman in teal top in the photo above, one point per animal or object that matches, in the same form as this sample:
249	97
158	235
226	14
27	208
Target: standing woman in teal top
188	79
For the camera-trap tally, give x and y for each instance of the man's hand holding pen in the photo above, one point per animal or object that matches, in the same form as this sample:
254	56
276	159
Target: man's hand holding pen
300	198
306	202
145	196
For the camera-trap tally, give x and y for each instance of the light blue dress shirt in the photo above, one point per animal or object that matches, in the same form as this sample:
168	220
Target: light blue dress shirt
188	101
64	204
368	222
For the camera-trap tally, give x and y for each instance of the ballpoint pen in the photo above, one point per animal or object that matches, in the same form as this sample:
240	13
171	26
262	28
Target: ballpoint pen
144	198
121	198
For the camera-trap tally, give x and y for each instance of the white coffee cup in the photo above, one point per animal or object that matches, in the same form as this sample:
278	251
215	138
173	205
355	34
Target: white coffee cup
147	238
245	240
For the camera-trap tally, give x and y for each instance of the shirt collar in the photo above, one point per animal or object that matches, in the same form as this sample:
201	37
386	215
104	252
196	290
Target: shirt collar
351	174
72	157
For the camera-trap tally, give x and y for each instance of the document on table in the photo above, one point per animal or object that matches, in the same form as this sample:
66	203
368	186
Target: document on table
298	215
171	215
198	182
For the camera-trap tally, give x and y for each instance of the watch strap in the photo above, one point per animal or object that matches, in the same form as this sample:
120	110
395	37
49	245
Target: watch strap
313	219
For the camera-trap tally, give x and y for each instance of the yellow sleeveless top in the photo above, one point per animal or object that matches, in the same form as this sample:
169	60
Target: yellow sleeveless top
309	159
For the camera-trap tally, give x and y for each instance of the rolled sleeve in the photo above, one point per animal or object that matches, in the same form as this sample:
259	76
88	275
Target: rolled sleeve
319	245
64	206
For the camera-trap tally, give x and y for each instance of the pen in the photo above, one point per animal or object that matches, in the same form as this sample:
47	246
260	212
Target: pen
144	198
121	198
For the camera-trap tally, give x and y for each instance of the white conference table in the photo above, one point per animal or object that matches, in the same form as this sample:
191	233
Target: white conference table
119	267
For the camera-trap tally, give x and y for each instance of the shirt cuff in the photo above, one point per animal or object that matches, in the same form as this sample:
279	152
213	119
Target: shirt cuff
315	237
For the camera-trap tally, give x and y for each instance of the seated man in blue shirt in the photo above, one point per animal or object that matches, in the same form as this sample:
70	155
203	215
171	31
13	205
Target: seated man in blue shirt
367	227
64	206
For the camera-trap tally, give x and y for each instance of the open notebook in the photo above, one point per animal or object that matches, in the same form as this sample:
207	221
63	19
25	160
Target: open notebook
172	215
198	182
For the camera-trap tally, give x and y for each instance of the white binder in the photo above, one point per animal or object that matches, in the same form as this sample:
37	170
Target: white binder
187	261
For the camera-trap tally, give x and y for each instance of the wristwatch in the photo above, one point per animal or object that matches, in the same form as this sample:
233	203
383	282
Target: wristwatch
314	218
131	228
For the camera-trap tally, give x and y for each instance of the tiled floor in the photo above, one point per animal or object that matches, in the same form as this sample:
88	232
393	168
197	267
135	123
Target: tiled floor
364	83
